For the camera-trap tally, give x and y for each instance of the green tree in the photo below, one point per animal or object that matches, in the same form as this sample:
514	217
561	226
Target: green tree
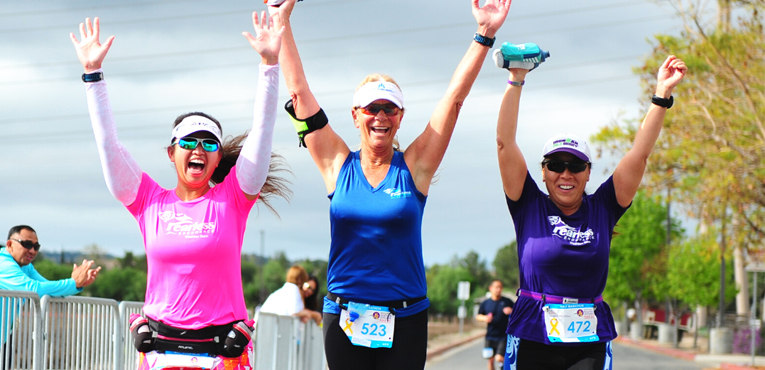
636	264
506	265
275	272
711	153
698	258
442	287
51	270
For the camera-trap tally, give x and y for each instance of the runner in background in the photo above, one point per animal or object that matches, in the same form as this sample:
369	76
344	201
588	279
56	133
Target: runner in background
494	312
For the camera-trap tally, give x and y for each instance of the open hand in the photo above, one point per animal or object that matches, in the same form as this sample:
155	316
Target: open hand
83	275
268	40
90	51
670	74
491	17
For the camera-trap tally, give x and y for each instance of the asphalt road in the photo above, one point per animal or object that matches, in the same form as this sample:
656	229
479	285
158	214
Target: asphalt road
468	357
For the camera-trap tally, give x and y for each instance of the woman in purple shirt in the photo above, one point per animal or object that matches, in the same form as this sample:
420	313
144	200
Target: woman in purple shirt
560	320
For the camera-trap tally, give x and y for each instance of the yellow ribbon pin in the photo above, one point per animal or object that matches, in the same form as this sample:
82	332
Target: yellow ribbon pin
554	323
348	324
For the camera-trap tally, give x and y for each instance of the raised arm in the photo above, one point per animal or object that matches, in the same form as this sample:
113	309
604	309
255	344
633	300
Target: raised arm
327	149
512	165
629	171
255	157
424	155
121	172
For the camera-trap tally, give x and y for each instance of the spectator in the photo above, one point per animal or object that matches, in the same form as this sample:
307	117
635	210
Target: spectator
288	300
311	293
18	273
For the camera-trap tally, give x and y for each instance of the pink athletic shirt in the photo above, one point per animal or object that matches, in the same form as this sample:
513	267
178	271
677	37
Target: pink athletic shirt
193	250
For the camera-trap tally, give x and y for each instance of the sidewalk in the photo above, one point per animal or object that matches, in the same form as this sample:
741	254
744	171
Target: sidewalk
700	354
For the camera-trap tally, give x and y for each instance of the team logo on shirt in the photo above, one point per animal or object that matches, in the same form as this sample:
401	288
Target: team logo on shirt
396	193
180	224
571	235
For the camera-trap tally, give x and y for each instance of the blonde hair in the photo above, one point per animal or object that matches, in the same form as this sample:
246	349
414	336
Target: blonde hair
297	275
372	77
377	77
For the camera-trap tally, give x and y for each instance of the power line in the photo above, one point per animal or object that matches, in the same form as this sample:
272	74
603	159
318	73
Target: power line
317	93
247	11
86	133
323	56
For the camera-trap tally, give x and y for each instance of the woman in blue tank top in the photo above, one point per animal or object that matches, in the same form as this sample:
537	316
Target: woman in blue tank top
560	320
375	314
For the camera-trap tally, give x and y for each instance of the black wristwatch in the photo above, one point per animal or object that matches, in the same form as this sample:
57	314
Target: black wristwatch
92	77
662	102
483	40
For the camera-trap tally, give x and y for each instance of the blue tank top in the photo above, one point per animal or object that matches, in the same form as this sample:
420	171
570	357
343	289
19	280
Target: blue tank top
376	249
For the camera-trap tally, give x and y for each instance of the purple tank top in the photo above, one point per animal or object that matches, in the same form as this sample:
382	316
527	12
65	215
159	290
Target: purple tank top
562	255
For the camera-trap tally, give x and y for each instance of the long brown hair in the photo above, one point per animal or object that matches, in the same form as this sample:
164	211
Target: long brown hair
275	186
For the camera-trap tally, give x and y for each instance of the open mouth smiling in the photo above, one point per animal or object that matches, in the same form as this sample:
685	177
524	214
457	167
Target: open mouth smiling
196	164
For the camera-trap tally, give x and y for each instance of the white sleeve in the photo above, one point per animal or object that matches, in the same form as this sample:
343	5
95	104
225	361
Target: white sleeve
255	157
122	173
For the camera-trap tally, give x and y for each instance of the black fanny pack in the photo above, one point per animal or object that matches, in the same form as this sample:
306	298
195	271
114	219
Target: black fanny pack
207	340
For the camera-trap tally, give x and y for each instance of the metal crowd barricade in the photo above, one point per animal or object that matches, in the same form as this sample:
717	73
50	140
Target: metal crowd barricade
311	349
93	333
283	343
81	333
20	330
275	342
127	356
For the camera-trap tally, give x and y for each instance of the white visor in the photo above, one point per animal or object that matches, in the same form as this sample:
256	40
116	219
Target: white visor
375	90
194	123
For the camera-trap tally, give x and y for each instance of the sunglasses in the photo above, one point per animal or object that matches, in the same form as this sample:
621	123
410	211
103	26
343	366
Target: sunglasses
561	166
390	109
28	244
191	143
307	286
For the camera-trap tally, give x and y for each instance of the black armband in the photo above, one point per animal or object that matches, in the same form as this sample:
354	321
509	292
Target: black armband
307	125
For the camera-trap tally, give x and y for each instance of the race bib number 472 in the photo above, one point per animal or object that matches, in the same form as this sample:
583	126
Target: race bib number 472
571	323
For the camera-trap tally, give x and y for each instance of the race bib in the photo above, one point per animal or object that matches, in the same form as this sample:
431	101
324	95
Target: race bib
367	325
168	360
571	322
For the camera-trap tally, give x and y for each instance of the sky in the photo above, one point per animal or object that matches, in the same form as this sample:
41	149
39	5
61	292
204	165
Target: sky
171	57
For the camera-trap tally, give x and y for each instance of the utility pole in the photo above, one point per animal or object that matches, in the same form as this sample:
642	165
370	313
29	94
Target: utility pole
262	266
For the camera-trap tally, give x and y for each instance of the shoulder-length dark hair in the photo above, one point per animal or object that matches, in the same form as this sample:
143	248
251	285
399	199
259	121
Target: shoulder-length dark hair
275	186
312	301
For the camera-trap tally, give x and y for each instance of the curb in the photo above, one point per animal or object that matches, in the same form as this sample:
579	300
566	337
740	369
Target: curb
735	367
440	350
677	353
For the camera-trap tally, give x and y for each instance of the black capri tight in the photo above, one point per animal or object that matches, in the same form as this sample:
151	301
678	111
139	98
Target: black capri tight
409	350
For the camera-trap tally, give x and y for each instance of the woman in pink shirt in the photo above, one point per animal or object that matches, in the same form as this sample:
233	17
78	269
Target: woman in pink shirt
192	234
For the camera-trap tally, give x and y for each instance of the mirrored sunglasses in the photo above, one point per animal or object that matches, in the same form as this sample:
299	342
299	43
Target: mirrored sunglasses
561	166
191	143
28	244
390	109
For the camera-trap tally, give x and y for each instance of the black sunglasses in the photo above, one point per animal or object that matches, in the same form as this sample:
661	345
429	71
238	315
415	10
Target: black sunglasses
28	244
561	166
